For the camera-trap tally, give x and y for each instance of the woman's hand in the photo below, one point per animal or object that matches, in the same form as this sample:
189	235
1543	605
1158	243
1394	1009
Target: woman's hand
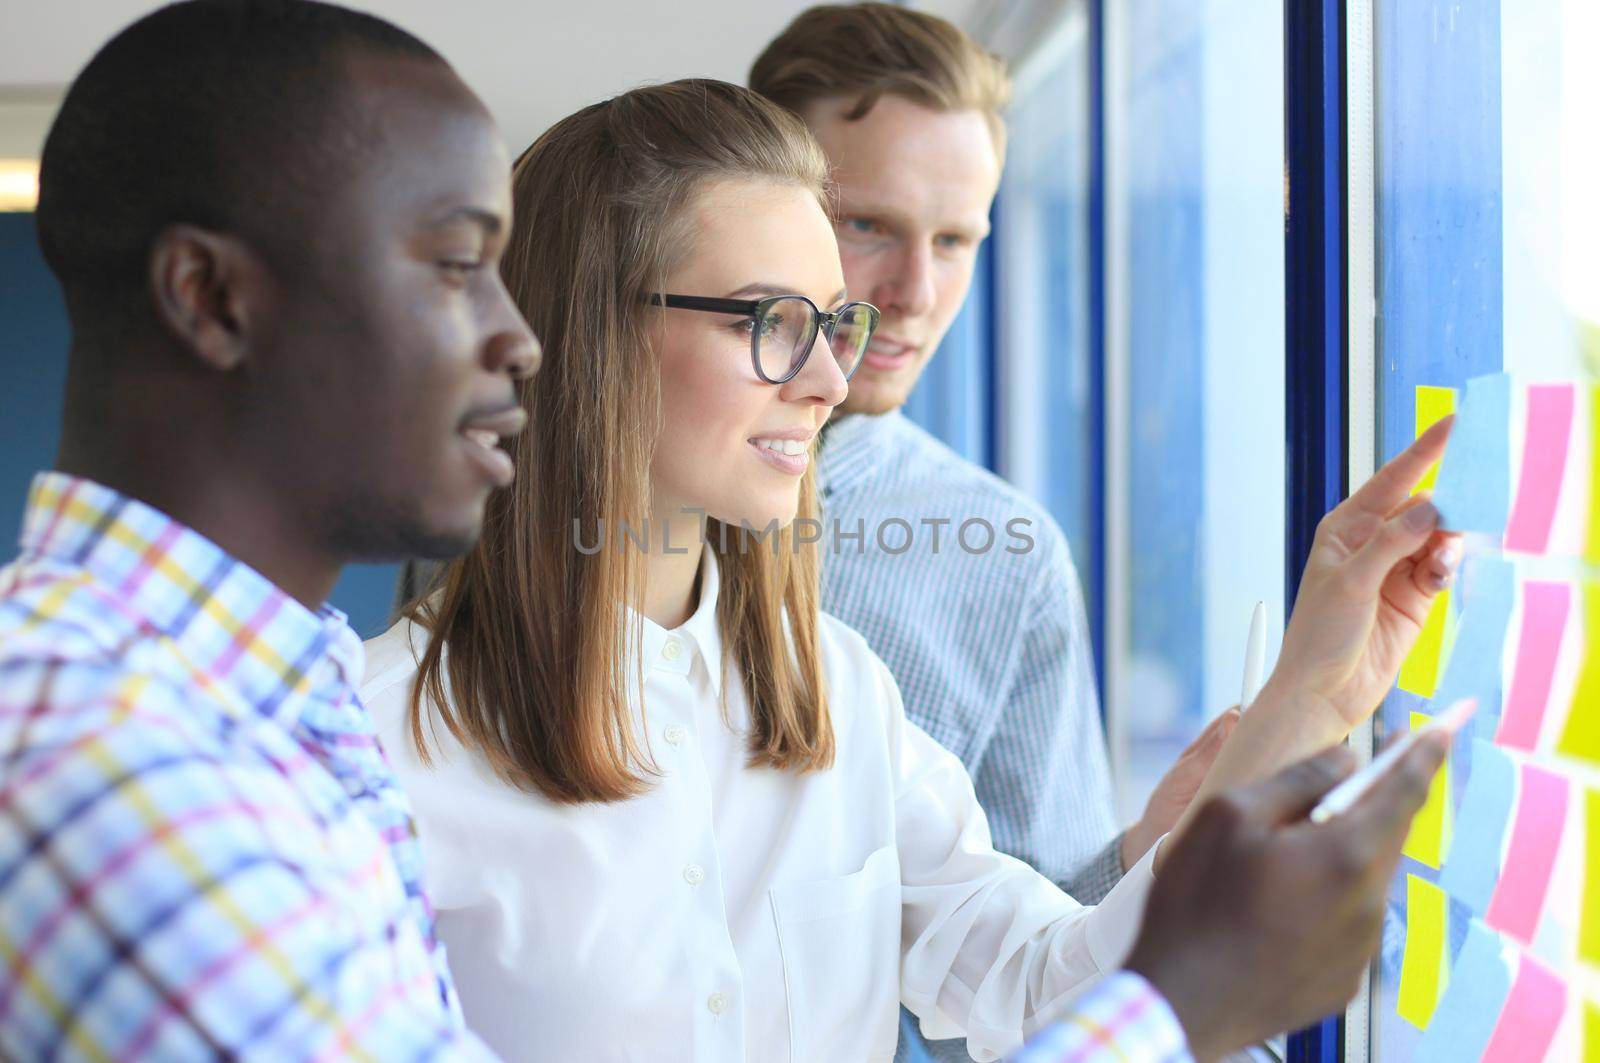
1376	564
1175	792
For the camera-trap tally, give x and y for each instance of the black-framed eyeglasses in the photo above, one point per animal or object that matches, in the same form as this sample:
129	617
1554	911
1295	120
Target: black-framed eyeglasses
783	330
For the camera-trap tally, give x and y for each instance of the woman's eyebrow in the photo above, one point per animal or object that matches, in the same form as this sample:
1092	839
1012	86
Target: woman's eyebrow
487	220
762	291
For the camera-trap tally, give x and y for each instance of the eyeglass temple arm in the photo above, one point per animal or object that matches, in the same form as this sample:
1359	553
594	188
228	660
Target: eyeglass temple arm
696	302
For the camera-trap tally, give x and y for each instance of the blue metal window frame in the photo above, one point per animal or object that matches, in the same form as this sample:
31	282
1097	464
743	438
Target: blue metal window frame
1315	349
991	341
1096	576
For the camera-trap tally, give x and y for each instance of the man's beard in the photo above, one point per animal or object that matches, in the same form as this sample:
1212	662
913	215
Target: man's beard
369	529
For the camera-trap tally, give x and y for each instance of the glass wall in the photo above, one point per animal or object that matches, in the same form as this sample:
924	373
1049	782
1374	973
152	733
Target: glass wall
1195	474
1047	425
953	398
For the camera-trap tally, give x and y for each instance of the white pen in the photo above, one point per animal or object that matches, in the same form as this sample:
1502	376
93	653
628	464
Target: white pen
1255	656
1344	796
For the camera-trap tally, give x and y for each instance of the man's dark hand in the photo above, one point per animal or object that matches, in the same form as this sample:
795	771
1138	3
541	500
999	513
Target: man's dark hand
1261	921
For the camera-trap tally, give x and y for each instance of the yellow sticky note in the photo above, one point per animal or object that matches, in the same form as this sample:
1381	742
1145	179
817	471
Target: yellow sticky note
1591	1032
1433	406
1419	673
1589	345
1425	971
1580	735
1589	917
1591	539
1429	839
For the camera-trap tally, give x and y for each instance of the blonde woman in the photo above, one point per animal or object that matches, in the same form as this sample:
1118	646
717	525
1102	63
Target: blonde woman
669	810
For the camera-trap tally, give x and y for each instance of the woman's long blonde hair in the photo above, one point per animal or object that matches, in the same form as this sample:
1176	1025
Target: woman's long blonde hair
537	674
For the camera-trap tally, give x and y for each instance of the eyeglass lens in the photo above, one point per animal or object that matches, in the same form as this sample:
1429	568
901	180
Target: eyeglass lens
789	330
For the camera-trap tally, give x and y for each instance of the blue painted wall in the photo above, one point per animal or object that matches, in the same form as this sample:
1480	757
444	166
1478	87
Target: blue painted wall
33	362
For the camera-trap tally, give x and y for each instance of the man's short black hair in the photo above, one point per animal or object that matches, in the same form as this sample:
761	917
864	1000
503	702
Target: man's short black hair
225	114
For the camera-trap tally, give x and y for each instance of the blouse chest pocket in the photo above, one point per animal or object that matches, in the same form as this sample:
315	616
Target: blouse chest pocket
840	942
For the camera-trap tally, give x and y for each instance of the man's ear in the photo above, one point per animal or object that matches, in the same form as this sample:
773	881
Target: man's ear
206	289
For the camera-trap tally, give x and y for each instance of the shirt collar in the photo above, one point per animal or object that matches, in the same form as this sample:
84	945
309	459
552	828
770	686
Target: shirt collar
225	619
700	634
855	446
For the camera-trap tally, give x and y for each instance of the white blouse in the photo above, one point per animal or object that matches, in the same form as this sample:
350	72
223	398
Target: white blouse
738	913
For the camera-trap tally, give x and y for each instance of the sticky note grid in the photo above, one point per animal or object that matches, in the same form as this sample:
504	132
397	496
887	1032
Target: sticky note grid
1503	860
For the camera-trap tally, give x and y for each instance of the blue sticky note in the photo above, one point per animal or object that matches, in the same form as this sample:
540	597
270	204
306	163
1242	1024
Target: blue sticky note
1486	590
1466	1016
1473	868
1473	492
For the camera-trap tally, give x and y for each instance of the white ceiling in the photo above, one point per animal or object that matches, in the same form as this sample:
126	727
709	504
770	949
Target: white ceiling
532	62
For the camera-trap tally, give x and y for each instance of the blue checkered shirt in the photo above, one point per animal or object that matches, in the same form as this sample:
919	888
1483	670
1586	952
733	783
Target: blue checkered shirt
989	646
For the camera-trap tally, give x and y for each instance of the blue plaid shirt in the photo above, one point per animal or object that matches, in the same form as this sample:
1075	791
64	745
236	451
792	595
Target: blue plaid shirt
989	645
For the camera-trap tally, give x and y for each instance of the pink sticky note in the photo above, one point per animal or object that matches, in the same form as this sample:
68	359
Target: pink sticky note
1519	896
1532	1013
1544	459
1544	617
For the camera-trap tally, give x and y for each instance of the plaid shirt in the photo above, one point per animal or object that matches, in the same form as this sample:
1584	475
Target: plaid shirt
1122	1019
203	850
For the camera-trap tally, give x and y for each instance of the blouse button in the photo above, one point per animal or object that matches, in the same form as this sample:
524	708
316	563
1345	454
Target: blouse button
672	650
694	874
717	1003
673	734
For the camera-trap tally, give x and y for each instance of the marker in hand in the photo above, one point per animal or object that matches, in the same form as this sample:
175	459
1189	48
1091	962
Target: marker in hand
1255	656
1344	796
